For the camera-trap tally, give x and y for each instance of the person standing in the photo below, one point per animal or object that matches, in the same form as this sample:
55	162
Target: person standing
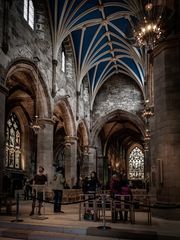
58	186
125	190
94	184
115	191
37	194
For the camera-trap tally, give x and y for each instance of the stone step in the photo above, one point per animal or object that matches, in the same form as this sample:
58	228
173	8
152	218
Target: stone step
27	233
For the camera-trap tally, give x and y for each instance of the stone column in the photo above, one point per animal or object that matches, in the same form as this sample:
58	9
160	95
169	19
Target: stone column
166	134
85	166
45	147
92	159
3	93
101	168
70	158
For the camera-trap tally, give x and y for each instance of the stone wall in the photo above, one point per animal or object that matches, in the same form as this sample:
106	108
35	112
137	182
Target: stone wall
119	92
66	81
84	102
24	42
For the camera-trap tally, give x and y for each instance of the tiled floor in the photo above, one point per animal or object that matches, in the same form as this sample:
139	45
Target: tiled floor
68	223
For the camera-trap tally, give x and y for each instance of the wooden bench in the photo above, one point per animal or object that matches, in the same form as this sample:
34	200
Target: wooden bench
71	195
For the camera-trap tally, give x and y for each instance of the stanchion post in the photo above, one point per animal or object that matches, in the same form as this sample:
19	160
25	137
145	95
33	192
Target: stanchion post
17	209
104	227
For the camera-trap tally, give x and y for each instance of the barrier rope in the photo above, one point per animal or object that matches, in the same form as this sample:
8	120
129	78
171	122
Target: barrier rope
138	204
68	203
135	203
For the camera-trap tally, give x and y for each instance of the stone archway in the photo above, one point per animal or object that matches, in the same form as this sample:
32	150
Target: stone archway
114	134
22	79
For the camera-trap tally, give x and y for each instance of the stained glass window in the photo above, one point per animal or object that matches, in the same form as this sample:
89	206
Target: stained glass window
29	12
13	142
136	164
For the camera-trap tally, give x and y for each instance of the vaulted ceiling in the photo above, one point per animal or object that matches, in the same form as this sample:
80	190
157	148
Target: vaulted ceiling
102	34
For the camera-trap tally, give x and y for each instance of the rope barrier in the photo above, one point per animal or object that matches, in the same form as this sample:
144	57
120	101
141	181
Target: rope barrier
68	203
156	206
134	203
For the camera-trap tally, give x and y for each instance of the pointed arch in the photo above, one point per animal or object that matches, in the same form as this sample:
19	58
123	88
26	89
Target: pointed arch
82	130
23	75
64	112
137	121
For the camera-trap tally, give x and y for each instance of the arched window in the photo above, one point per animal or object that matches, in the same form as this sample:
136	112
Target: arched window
13	142
63	61
29	12
136	164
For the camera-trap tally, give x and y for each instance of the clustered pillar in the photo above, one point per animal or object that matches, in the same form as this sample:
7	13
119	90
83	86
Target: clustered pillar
166	129
3	92
45	147
70	158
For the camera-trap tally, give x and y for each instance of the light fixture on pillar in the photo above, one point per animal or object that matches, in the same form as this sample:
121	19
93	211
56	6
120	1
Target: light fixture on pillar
35	124
86	150
147	113
68	141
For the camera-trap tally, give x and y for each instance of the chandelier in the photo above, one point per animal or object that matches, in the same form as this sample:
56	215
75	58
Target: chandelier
149	28
35	126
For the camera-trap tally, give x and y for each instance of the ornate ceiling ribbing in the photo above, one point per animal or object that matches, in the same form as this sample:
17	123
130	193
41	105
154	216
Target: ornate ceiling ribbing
101	33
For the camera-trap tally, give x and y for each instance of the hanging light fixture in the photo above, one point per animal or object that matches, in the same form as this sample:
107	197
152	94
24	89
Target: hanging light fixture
35	124
150	21
148	31
151	25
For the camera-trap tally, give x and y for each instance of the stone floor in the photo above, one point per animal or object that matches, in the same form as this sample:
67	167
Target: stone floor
67	226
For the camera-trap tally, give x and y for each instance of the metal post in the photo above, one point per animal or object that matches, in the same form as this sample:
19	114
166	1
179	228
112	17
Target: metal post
104	227
17	209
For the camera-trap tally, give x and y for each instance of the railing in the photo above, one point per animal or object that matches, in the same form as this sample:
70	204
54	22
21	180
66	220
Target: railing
125	206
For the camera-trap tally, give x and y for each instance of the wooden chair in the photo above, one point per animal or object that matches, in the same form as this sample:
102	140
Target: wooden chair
141	203
122	204
88	207
103	204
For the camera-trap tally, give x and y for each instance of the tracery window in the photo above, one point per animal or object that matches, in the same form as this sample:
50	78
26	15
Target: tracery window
63	61
13	142
29	12
136	164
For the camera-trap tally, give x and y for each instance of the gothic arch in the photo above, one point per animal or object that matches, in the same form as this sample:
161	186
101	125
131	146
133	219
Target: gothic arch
27	92
64	114
23	76
83	131
117	114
